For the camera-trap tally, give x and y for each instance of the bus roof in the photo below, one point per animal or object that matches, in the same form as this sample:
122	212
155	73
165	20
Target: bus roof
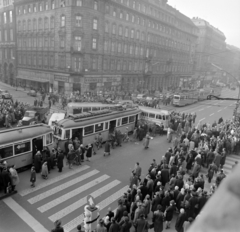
153	110
70	123
23	133
89	104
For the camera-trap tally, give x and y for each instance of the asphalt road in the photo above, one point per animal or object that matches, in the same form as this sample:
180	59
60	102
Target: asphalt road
63	196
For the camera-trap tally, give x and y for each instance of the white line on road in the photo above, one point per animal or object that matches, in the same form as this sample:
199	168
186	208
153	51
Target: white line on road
219	110
201	120
208	106
225	108
201	109
211	114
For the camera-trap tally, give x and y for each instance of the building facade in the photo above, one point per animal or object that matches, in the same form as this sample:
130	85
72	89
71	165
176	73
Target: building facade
211	48
103	45
7	42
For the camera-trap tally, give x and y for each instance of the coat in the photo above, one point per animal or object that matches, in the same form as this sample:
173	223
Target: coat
33	176
119	212
141	225
58	229
196	170
107	147
157	219
156	201
6	178
44	170
133	180
14	176
126	226
114	227
165	176
169	213
179	222
60	160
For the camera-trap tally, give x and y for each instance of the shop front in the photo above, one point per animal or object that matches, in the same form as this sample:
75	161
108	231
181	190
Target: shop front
36	80
62	84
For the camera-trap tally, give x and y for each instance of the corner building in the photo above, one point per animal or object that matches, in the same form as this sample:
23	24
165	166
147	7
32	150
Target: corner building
103	45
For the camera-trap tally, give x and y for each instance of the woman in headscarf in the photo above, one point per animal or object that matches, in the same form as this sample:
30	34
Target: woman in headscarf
38	162
14	177
89	152
44	170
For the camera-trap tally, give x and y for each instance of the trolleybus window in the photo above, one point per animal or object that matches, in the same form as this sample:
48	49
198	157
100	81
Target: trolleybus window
86	109
119	122
77	110
95	108
106	125
124	120
57	131
144	114
163	117
6	152
158	116
151	115
98	127
23	147
67	134
49	138
131	118
88	130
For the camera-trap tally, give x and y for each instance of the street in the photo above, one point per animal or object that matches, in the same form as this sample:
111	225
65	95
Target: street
63	196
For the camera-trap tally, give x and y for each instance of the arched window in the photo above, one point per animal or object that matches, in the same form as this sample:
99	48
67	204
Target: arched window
24	25
46	24
19	26
52	23
53	4
40	26
29	25
63	21
34	24
106	27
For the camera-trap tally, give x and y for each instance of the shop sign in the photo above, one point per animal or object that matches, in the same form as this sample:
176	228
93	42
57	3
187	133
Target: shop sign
61	78
102	78
34	75
76	79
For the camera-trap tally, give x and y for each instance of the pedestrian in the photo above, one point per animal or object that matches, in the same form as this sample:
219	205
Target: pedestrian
158	219
58	227
147	141
187	224
126	226
114	226
137	170
60	158
71	155
33	176
210	173
133	180
14	177
169	214
180	220
44	172
6	179
107	148
101	227
141	224
89	151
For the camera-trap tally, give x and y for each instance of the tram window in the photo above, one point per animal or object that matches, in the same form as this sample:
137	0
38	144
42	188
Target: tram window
124	120
151	115
86	109
98	127
95	108
131	118
22	147
167	117
77	110
119	122
67	134
144	114
88	130
49	138
6	152
158	116
105	108
106	125
163	117
58	131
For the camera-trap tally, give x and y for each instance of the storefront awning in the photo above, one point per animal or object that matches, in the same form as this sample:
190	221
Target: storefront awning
32	79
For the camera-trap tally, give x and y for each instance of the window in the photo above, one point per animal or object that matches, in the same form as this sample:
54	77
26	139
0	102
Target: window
131	119
67	134
131	50
132	33
137	35
119	122
52	41
121	15
62	42
94	43
24	10
78	2
120	30
99	127
52	4
63	3
34	42
94	63
78	21
10	16
78	43
127	16
46	24
77	64
63	21
105	46
5	17
134	4
19	26
49	139
95	5
46	5
29	25
119	47
88	130
46	41
124	120
39	42
114	13
95	24
52	23
11	35
22	147
62	61
40	6
106	126
151	115
114	29
40	24
34	8
113	47
6	152
158	116
5	36
106	27
51	61
126	32
29	59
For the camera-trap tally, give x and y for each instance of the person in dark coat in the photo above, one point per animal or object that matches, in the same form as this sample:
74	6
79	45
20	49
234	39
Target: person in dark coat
119	212
173	170
89	151
169	213
141	224
166	201
180	220
6	179
165	175
114	226
38	161
60	160
58	227
158	219
179	182
156	201
107	148
202	200
180	198
193	201
33	176
126	226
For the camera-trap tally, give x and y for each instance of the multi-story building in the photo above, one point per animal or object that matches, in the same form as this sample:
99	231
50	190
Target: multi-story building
100	45
211	48
7	42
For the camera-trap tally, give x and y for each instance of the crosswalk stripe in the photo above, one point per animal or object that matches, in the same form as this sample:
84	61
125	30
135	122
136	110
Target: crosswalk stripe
61	187
52	181
62	213
236	157
103	204
73	193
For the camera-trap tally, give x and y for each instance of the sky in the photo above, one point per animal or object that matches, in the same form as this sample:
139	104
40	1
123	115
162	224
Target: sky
222	14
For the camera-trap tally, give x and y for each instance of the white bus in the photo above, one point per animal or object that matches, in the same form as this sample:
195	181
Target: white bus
157	116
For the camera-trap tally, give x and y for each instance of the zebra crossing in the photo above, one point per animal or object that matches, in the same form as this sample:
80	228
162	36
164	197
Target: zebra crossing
230	161
64	197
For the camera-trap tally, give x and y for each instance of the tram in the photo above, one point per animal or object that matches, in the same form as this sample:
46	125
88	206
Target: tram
185	98
87	125
19	145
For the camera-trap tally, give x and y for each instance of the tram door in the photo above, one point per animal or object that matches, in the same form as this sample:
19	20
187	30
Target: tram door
136	120
37	145
78	133
112	125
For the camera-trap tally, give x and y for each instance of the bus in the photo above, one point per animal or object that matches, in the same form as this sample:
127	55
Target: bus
157	116
187	98
81	107
19	145
87	125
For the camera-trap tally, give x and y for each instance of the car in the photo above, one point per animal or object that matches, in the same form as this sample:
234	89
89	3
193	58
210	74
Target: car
32	93
141	96
5	94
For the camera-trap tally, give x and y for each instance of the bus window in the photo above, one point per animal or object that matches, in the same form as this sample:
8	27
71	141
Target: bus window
6	152
104	108
77	110
106	125
95	108
88	130
67	134
167	117
23	147
159	116
131	118
86	109
49	138
163	117
124	120
119	122
57	131
151	115
144	114
176	97
99	127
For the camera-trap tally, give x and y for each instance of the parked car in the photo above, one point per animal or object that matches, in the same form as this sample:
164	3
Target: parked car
4	94
141	96
32	93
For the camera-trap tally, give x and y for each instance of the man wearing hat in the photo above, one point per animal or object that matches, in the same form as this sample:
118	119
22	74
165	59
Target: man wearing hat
58	227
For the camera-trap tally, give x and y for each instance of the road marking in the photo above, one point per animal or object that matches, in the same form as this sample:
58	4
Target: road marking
219	110
103	204
225	108
24	215
71	194
216	103
53	181
211	114
61	187
62	213
208	106
201	109
201	120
